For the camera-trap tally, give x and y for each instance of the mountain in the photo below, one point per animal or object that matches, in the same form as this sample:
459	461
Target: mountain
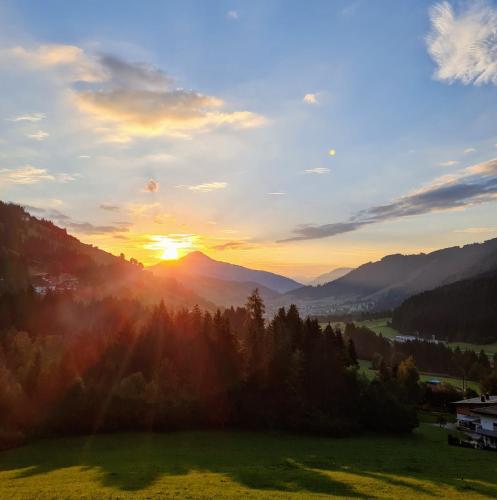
465	311
330	276
199	264
386	283
35	252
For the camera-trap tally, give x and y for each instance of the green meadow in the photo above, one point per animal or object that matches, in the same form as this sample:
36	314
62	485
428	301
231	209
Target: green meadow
381	326
249	465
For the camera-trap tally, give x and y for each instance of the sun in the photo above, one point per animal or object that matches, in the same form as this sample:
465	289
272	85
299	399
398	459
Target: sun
170	252
172	246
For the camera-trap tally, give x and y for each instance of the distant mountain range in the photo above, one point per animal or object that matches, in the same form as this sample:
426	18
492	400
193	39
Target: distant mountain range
223	283
330	276
199	264
386	283
35	252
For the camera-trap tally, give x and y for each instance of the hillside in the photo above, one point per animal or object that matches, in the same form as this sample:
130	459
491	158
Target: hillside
386	283
35	252
462	311
199	264
330	276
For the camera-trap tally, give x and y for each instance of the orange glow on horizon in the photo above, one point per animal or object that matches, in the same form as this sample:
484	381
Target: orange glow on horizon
173	246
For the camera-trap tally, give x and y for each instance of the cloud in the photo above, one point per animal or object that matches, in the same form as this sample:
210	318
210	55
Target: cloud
132	98
143	209
71	61
233	245
152	186
470	186
33	117
311	98
317	170
158	158
476	230
67	222
277	193
142	100
84	157
109	207
448	163
88	228
233	14
39	135
28	174
463	44
469	150
208	186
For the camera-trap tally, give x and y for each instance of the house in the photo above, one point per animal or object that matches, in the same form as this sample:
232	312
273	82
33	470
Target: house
477	418
488	425
402	339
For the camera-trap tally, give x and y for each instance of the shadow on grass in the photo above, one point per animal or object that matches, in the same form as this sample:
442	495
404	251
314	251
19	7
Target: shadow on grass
267	462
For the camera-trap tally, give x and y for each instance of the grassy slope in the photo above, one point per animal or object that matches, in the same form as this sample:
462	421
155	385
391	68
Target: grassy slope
232	464
380	326
365	368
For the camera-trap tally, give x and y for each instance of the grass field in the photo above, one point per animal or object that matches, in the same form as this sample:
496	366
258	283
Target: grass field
249	465
380	326
365	368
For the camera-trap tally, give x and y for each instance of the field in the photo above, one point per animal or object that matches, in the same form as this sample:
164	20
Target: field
380	326
252	465
365	368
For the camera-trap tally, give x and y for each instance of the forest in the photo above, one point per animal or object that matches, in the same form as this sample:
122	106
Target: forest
72	367
428	357
462	311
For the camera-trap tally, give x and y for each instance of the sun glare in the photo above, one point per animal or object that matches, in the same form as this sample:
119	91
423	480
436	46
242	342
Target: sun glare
173	246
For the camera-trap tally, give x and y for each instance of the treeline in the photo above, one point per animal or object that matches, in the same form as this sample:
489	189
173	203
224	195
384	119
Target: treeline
428	357
109	365
462	311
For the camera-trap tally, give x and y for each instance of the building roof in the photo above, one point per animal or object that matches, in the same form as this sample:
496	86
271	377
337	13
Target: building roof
477	401
487	410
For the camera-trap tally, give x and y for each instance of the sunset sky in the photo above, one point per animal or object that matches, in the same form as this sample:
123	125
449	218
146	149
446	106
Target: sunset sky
294	137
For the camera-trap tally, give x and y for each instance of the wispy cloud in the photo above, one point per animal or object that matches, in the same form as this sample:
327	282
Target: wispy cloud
28	174
477	230
208	186
448	163
469	150
109	207
78	227
311	98
277	193
317	170
470	186
233	245
33	117
463	43
39	135
233	14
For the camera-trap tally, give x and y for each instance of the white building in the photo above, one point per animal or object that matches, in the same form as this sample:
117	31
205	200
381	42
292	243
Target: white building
477	418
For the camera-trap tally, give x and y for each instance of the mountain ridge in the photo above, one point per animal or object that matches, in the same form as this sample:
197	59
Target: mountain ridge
199	264
392	279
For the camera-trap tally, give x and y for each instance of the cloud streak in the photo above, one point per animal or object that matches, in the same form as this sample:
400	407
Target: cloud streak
470	186
208	186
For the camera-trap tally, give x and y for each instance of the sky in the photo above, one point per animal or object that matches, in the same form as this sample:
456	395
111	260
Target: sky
295	137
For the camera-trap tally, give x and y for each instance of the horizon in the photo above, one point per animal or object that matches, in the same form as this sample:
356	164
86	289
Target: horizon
163	143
